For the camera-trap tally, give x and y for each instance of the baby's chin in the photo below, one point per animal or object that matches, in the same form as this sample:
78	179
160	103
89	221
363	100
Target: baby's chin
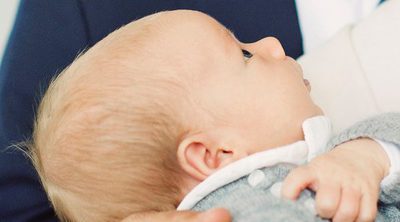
319	111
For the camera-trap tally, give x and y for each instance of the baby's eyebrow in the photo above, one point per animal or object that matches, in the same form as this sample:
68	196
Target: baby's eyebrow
231	33
232	36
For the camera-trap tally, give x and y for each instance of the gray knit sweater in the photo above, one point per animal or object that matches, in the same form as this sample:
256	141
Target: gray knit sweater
247	202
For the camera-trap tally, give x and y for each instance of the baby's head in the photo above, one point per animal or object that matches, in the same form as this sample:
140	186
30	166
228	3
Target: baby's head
155	108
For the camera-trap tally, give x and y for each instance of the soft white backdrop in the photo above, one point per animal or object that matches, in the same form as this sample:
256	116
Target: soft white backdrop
8	9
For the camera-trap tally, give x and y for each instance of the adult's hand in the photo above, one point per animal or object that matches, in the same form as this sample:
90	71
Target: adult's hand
213	215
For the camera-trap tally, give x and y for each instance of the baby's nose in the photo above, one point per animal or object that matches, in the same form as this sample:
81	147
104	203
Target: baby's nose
269	47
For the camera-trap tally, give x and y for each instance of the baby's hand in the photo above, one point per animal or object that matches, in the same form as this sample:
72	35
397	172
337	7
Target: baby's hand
346	180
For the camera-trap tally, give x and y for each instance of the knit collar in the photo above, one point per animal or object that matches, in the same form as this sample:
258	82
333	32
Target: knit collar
317	132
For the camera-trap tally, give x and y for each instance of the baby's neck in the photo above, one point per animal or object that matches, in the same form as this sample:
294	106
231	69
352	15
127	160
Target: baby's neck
188	183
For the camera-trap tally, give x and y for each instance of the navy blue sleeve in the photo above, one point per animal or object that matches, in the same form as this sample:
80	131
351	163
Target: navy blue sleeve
48	35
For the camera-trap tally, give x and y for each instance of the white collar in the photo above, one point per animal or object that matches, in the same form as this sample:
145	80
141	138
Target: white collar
317	132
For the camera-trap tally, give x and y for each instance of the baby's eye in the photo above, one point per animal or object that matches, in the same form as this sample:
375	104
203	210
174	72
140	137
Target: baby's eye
246	54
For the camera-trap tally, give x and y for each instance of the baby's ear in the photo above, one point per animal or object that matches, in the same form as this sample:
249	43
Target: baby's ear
199	156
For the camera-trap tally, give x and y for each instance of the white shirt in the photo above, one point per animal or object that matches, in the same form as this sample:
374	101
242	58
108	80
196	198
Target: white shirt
321	19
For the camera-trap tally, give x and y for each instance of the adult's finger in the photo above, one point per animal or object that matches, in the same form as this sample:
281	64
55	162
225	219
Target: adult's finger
297	180
213	215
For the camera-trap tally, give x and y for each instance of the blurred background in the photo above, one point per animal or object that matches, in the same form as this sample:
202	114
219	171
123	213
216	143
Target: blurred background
8	9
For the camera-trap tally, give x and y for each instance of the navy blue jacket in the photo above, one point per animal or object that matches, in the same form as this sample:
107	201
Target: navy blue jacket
49	34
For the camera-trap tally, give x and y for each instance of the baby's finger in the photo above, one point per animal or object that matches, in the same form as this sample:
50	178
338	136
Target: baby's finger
368	208
297	180
327	199
349	205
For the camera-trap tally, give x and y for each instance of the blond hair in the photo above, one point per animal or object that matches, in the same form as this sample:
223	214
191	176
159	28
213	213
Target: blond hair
106	133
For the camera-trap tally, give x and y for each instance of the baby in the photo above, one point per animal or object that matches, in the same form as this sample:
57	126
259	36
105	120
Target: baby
155	108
